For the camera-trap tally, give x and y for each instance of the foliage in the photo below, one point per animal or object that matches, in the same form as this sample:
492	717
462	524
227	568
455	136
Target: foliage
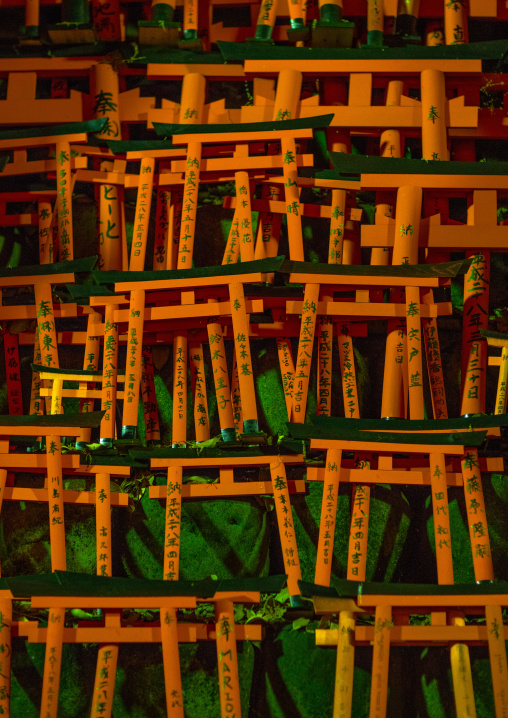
500	319
491	99
136	486
248	92
271	610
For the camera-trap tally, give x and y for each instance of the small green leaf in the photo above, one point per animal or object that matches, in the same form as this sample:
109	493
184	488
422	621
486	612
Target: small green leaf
300	623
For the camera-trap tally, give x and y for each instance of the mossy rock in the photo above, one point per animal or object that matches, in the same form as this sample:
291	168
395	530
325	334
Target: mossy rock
140	690
389	523
25	545
226	538
25	538
299	677
200	679
76	679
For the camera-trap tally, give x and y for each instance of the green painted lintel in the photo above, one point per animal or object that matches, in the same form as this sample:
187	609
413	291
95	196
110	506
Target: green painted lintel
71	267
472	438
85	420
445	269
71	128
339	424
347	164
164	129
270	264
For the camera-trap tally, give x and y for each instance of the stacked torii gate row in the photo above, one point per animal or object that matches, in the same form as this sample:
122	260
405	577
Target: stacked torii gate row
319	25
334	276
174	460
63	590
359	113
198	166
436	445
228	280
392	605
207	322
162	286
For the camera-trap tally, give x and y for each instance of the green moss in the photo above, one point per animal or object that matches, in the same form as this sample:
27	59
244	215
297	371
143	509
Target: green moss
200	680
271	399
389	523
437	684
140	680
76	679
299	680
225	537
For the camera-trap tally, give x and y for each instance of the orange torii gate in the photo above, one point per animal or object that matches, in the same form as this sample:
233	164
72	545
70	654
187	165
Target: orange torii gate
62	590
177	460
211	322
42	278
195	169
498	339
403	439
446	179
101	497
392	605
60	137
324	280
139	284
53	428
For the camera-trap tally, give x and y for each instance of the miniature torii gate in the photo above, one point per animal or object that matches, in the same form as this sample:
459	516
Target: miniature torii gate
59	136
498	339
233	277
387	469
385	444
327	278
53	428
284	131
172	330
392	605
42	278
280	486
102	497
114	594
